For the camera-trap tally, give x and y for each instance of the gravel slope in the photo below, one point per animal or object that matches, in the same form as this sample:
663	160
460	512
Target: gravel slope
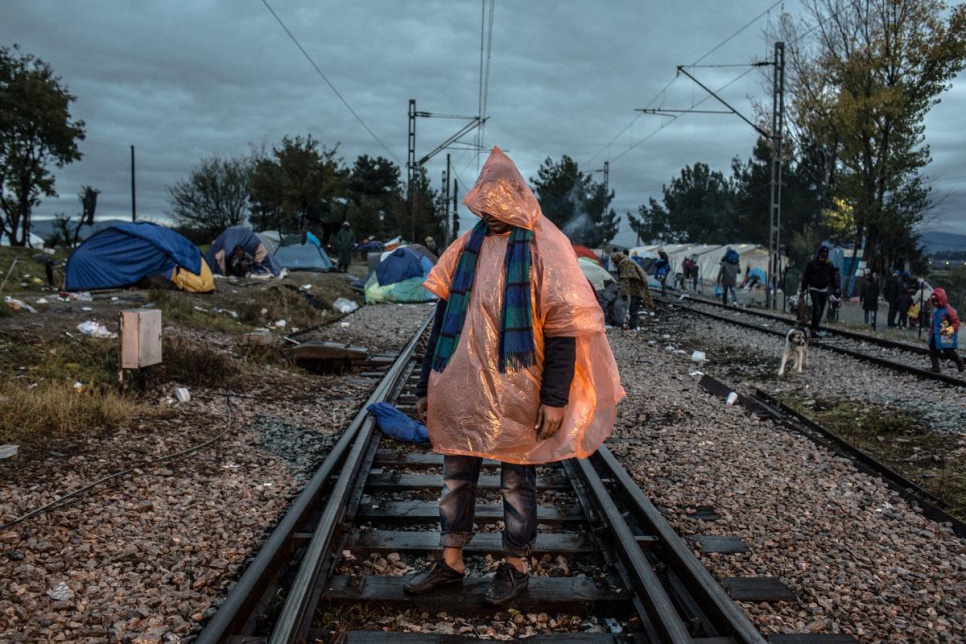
142	557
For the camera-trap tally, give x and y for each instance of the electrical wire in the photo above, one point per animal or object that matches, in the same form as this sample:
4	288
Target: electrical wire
329	83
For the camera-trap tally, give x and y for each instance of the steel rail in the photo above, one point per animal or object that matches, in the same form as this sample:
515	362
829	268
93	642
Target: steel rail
724	614
233	615
835	331
925	374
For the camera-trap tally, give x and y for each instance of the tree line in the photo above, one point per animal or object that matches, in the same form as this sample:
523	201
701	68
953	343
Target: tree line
860	79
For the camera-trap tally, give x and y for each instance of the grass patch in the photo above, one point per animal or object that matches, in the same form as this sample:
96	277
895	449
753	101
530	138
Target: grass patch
298	308
28	274
899	440
34	358
194	311
35	418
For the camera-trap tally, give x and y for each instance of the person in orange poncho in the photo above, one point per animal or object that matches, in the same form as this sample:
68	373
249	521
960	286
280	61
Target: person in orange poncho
517	369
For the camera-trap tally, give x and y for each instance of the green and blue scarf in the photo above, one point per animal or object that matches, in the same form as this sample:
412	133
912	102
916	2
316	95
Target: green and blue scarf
516	315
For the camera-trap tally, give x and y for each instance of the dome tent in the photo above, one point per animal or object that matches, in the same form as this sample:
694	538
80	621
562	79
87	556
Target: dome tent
303	257
124	254
399	277
244	237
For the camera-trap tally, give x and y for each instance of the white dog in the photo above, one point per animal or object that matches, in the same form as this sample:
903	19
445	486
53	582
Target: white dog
796	348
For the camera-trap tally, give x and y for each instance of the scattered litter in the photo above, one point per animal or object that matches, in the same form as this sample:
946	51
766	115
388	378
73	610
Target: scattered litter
666	336
231	466
61	592
344	306
41	300
201	308
264	311
95	329
698	356
86	308
696	373
306	286
732	398
78	386
6	451
115	298
17	305
613	625
229	312
344	324
280	324
83	296
885	507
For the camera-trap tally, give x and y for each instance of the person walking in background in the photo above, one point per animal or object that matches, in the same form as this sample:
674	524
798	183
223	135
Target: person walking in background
870	298
517	369
904	304
691	272
662	268
728	276
943	332
820	279
345	241
922	297
891	291
633	283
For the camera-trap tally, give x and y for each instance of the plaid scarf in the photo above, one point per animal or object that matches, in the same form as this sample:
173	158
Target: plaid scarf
516	316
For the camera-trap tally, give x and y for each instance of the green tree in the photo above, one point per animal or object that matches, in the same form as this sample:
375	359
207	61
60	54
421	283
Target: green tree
372	186
417	221
214	196
577	204
36	131
652	224
863	75
700	204
297	183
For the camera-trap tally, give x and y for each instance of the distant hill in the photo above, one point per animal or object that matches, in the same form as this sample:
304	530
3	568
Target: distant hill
941	242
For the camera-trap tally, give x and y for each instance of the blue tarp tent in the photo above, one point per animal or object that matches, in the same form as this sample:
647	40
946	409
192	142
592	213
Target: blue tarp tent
243	236
402	264
303	257
399	277
126	253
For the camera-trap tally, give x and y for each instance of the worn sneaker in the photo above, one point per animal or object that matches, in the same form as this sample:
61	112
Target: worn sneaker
436	575
506	585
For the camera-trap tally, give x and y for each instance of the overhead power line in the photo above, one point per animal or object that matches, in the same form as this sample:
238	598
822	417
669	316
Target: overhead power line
329	83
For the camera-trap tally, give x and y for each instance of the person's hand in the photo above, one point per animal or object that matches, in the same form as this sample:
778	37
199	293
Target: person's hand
422	409
549	420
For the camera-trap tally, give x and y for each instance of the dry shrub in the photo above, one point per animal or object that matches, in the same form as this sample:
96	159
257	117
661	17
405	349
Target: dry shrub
287	303
190	363
56	411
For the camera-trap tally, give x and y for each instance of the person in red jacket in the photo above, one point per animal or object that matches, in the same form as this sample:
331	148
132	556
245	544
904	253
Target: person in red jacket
943	332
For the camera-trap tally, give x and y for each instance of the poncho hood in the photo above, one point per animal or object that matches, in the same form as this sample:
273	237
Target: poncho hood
502	192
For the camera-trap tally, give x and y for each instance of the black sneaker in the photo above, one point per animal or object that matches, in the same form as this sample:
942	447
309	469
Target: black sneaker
506	585
436	575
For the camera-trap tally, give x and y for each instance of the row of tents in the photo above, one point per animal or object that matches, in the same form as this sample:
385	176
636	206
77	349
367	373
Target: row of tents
125	254
129	253
751	257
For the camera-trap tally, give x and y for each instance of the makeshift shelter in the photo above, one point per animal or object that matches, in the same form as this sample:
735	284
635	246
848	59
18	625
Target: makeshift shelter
244	237
271	238
399	277
305	238
303	257
583	251
596	274
124	254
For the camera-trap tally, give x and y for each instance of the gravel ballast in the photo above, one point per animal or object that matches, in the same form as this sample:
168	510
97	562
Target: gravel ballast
144	556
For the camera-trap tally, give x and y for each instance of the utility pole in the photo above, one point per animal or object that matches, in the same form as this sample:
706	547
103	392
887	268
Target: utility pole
413	164
134	210
775	136
775	204
446	203
456	213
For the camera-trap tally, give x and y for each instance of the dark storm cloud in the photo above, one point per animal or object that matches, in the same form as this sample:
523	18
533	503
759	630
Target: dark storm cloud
182	81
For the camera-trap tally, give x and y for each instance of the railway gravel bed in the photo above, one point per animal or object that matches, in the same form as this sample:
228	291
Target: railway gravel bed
145	556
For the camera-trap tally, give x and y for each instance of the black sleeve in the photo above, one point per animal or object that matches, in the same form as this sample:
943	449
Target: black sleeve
423	385
558	371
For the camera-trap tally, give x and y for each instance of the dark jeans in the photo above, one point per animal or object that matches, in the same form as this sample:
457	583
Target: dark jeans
724	294
457	507
893	314
870	316
819	300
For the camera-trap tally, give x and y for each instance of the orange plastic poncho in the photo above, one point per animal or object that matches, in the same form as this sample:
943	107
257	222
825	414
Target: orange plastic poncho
474	409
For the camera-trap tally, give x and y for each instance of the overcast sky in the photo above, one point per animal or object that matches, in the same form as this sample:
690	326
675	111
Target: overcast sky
183	80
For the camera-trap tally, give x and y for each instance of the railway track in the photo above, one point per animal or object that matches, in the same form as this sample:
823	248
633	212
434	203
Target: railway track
619	560
897	356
